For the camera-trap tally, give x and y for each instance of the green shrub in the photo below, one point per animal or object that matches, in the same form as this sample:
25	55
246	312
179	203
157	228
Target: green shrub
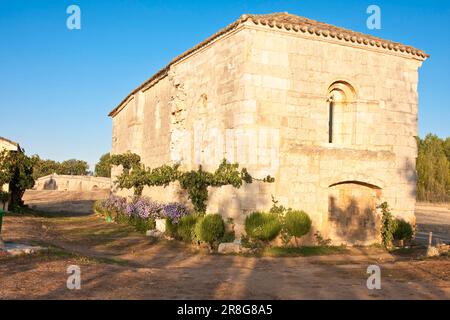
387	225
185	227
210	228
123	219
402	230
262	226
297	223
142	225
171	228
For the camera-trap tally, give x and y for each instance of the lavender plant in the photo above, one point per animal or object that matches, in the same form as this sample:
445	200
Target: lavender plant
174	211
144	208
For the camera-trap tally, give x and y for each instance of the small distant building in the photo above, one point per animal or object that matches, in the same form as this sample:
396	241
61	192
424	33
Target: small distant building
6	144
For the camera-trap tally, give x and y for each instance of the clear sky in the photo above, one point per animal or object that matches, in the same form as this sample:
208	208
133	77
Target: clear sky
58	85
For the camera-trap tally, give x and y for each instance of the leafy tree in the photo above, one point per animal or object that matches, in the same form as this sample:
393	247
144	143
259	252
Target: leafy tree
69	167
447	148
433	169
103	166
44	167
16	170
74	167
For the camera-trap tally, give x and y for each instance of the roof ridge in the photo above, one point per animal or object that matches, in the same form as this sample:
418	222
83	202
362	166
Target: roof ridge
328	30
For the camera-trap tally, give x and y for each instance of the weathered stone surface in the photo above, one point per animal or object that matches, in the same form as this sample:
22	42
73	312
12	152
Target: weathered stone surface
16	249
154	233
72	183
229	247
161	225
261	96
432	251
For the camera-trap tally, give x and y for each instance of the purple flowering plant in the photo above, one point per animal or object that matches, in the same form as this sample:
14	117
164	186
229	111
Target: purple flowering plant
141	208
114	204
144	208
174	211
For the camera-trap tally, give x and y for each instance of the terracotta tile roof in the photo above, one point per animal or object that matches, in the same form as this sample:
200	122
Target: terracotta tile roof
305	25
294	23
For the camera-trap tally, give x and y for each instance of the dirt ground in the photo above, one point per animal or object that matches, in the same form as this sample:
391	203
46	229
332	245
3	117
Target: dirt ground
118	263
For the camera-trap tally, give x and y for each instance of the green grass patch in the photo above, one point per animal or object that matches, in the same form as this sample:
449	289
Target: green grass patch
303	251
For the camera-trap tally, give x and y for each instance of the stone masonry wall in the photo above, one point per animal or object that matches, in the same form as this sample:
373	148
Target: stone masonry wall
259	96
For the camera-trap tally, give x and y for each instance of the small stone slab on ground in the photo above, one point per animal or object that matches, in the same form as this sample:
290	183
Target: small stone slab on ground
432	251
154	233
15	249
230	247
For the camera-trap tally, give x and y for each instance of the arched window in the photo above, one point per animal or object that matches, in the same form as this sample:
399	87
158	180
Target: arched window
341	113
330	119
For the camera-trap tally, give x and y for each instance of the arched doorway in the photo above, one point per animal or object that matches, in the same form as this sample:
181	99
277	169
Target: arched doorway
352	212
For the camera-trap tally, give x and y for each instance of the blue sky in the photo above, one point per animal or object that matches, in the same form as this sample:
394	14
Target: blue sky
58	85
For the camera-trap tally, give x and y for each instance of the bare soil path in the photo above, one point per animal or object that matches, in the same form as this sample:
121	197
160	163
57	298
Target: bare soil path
118	263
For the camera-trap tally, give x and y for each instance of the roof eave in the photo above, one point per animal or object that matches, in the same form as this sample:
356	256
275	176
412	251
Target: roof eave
347	36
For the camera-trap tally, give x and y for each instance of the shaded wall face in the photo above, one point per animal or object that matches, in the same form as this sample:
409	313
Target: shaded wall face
352	214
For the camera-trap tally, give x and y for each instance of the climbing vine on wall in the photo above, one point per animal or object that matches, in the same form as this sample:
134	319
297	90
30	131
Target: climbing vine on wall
387	225
195	182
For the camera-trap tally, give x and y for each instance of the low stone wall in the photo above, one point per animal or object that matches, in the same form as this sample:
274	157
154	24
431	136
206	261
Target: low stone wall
72	183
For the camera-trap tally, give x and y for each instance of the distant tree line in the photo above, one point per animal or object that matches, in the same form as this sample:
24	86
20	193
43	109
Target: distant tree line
44	167
433	169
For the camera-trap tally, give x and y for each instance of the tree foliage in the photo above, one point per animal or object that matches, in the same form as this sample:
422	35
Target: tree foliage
44	167
103	166
433	169
16	170
196	182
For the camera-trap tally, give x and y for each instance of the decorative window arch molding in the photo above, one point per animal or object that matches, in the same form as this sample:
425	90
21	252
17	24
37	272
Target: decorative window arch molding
341	98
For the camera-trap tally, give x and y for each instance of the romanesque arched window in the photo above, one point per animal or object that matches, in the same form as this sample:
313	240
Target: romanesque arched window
341	113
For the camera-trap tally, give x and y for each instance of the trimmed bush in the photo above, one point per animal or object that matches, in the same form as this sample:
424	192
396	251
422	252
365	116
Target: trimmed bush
297	223
210	228
402	230
185	227
262	226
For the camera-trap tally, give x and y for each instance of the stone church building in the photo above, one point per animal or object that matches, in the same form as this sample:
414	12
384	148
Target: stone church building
330	113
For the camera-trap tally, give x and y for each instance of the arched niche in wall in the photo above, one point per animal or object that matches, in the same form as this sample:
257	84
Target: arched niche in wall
352	212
